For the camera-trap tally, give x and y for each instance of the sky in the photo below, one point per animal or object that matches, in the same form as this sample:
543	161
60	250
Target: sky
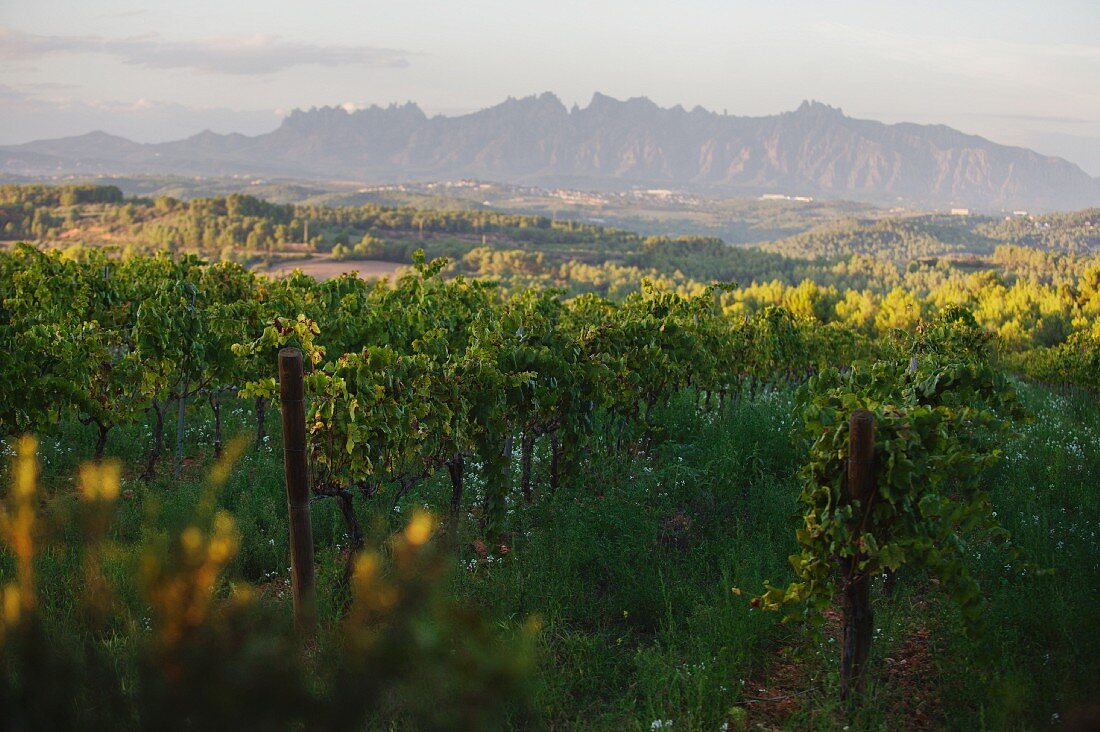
1018	73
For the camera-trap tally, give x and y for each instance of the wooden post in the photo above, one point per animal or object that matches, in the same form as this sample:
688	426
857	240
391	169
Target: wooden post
858	616
456	467
555	460
292	396
216	406
527	449
180	427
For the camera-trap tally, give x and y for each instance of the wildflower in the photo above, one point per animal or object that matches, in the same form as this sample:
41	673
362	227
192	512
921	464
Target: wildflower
420	528
17	526
100	481
10	605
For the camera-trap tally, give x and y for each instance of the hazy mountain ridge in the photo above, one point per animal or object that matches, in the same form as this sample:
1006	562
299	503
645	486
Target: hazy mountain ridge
815	150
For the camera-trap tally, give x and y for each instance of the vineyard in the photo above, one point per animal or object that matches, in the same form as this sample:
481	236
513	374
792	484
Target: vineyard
552	511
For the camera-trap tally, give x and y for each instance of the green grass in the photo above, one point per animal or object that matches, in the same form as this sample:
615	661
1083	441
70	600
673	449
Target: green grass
631	567
1042	653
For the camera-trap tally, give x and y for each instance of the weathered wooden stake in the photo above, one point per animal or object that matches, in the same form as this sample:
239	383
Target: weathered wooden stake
858	616
261	422
216	407
292	396
456	466
527	449
181	426
555	460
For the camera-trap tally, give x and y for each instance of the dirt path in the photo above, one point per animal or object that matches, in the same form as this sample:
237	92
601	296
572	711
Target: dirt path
904	683
324	268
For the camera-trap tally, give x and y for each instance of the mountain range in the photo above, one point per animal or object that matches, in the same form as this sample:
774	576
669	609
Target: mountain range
815	150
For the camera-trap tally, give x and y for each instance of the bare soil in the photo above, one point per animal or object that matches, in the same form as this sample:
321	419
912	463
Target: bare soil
324	268
905	680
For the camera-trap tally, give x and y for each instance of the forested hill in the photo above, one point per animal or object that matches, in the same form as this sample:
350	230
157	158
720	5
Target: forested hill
536	250
907	238
815	150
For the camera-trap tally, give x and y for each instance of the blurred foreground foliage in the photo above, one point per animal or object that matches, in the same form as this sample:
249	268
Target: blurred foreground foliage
163	639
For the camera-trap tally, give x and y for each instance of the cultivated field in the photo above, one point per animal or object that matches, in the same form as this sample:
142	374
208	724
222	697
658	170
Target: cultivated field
325	268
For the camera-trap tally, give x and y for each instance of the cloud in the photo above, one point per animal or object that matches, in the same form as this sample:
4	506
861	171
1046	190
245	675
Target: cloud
10	94
25	117
1050	65
122	14
248	55
1039	118
46	86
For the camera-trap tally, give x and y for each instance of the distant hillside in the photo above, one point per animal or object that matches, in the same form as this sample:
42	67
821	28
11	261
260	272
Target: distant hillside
909	238
815	150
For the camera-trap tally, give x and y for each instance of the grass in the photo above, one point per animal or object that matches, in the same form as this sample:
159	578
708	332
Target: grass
1042	653
631	570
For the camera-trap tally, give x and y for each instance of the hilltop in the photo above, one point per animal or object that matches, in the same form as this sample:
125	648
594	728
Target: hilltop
815	150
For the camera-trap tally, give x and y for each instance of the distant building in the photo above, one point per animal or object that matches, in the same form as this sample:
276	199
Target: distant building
960	212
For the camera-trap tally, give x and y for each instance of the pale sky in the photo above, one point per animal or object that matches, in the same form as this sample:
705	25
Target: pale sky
1020	73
